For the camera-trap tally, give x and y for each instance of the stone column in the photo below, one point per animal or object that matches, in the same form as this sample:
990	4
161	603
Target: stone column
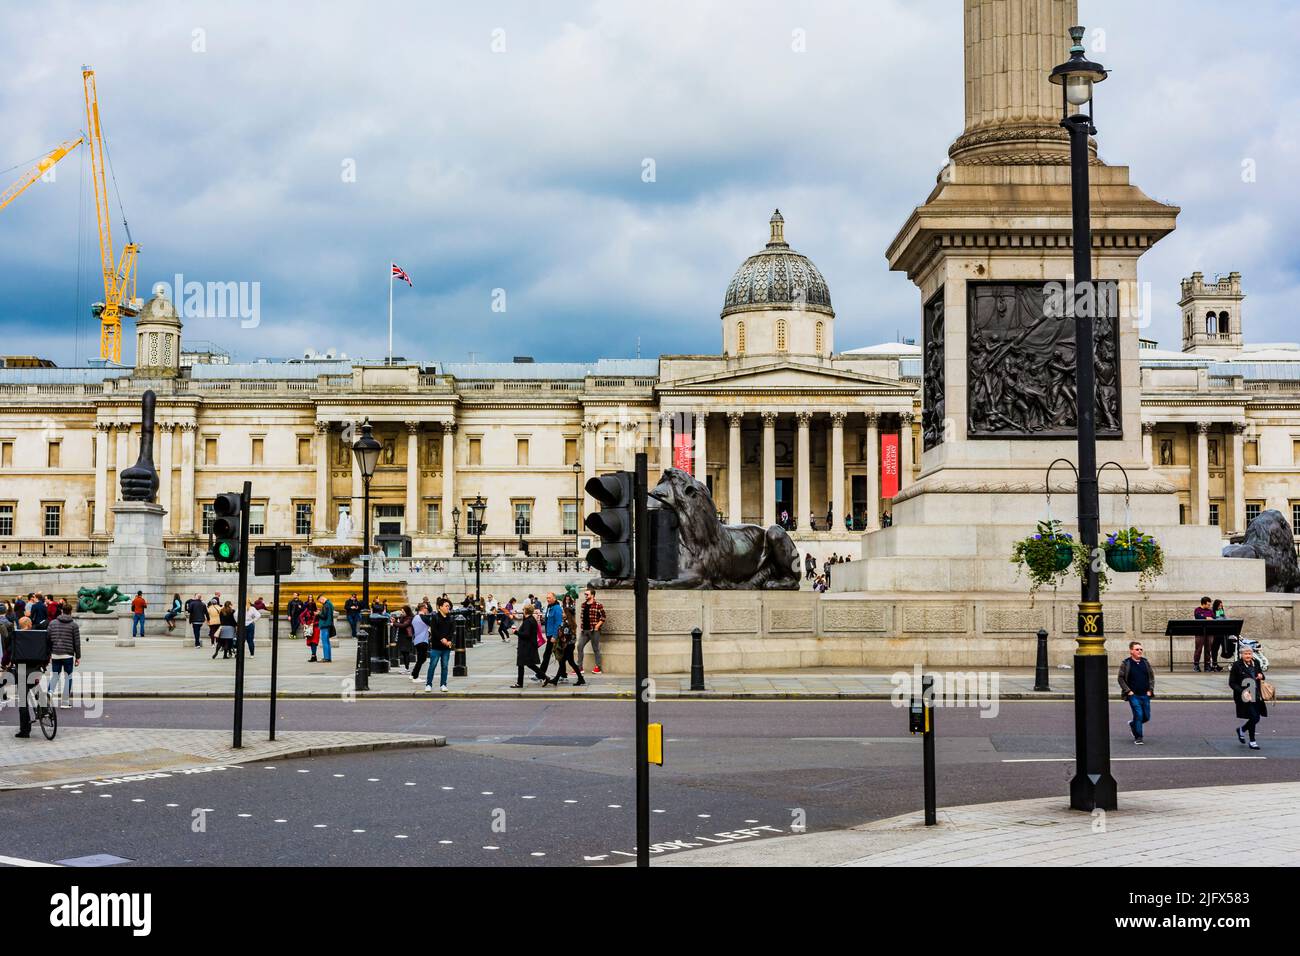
413	519
102	501
122	462
358	493
448	474
905	450
1202	473
189	431
628	439
321	510
838	510
803	474
589	429
1148	429
873	471
769	469
165	475
699	452
665	439
1237	488
735	508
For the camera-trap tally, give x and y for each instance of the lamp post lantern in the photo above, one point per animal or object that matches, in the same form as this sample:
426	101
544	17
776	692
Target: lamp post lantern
367	450
455	532
1092	786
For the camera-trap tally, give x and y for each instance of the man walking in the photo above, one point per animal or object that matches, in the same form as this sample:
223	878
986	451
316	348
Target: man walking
326	620
65	652
196	612
352	608
1137	682
554	617
294	610
138	604
440	642
591	621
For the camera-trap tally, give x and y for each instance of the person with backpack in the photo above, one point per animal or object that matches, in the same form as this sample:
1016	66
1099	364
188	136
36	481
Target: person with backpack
33	672
65	652
1249	690
197	614
1137	682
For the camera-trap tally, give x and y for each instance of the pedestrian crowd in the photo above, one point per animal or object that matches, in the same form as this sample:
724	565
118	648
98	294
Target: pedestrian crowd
822	582
39	612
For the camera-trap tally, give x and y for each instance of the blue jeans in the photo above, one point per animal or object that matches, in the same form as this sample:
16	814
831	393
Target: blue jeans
248	636
438	655
1140	704
137	620
198	633
60	664
325	644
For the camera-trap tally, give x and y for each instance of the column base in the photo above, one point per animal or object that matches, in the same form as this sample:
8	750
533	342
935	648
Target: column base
1092	787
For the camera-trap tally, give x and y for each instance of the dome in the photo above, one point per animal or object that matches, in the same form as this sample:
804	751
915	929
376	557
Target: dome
158	311
777	278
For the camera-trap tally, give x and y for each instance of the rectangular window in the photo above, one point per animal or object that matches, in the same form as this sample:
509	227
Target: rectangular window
6	520
1295	518
53	454
1252	452
433	517
1253	508
302	517
476	451
570	451
1295	452
209	451
523	518
53	520
569	514
521	451
209	513
257	450
7	454
1214	514
90	517
257	518
304	451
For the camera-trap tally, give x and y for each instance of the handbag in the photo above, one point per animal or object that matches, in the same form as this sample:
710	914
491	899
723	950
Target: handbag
1267	691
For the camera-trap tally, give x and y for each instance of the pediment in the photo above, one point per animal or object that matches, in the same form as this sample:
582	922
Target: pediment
784	376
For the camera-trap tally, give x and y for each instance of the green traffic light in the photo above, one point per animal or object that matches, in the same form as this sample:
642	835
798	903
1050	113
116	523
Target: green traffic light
225	550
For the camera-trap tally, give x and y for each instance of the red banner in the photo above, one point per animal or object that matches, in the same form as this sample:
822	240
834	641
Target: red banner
683	456
888	465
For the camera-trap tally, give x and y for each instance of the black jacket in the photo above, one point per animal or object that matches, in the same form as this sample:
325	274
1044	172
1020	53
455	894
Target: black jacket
39	614
196	610
1237	676
526	647
294	611
1125	666
440	630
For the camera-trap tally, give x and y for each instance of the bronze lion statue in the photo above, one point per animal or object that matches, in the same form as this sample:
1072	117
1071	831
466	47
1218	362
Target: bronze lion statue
713	555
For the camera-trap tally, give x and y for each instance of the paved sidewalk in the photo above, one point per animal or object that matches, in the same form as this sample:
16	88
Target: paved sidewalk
158	667
80	753
1151	828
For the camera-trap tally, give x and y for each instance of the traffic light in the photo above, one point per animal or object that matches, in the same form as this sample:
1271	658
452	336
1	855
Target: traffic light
225	527
613	559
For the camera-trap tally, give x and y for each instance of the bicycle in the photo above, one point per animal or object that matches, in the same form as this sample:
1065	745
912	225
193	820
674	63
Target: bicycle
41	706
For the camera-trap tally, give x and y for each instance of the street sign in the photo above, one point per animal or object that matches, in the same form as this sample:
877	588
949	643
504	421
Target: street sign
272	559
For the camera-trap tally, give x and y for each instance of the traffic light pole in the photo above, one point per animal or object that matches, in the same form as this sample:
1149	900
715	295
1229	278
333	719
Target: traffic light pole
641	589
275	638
240	613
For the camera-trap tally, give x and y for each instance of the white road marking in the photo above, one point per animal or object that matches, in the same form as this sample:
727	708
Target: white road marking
445	841
529	797
1115	759
281	821
704	816
137	799
16	861
492	848
245	815
488	793
358	831
399	836
304	771
537	854
658	811
173	804
449	788
107	795
570	801
320	826
372	779
338	775
614	806
410	783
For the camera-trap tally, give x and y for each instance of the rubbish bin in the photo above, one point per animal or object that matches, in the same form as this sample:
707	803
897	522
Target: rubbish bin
379	653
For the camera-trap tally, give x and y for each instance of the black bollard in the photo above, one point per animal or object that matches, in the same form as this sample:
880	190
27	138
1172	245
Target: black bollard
1040	668
459	627
362	679
697	659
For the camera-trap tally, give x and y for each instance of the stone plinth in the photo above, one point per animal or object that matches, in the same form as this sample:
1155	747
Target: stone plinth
137	560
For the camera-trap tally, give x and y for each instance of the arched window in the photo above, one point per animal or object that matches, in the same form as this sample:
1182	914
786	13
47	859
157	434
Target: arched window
821	337
1211	324
1223	323
780	335
740	337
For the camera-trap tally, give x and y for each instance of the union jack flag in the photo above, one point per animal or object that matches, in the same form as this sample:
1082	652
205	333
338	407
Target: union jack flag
400	273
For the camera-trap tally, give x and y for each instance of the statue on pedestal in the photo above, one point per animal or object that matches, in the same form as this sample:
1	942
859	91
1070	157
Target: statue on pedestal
140	481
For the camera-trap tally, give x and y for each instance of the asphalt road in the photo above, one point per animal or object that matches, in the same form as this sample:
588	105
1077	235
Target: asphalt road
550	782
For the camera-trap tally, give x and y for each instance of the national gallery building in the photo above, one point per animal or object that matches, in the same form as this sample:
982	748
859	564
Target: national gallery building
778	422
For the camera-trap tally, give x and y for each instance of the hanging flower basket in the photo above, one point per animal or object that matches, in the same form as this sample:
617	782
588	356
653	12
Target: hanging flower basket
1045	555
1132	551
1124	560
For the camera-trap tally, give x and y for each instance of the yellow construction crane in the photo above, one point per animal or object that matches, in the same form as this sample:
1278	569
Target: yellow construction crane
36	172
119	280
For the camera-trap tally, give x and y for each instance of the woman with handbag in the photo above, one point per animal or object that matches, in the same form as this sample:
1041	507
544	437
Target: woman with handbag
526	647
1249	693
405	628
311	631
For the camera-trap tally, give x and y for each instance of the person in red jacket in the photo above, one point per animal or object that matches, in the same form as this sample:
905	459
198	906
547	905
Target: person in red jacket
138	604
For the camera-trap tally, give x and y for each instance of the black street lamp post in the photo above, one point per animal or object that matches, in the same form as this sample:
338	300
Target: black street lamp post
577	504
367	450
1092	786
455	532
476	509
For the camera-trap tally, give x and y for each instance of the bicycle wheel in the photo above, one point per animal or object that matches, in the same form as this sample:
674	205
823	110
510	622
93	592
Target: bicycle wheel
49	720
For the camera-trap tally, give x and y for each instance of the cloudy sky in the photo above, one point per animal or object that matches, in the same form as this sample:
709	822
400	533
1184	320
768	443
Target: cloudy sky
503	146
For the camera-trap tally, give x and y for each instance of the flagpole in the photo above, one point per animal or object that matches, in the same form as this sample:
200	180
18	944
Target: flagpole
390	312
